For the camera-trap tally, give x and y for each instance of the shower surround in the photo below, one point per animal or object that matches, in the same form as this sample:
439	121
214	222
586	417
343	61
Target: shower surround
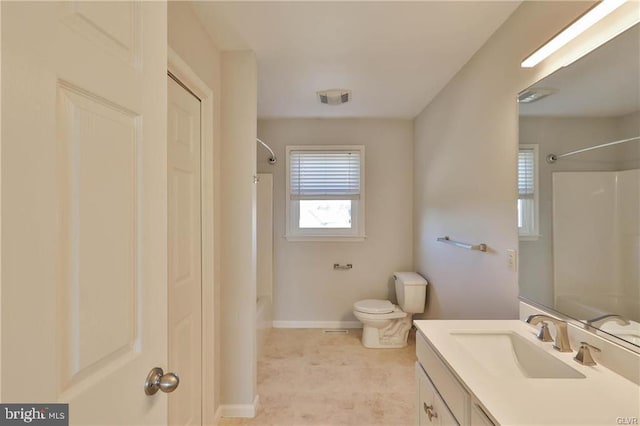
596	241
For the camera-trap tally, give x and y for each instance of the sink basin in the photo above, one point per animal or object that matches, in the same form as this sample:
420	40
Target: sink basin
507	354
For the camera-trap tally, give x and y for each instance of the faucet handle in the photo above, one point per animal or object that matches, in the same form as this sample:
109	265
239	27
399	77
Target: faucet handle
584	354
543	333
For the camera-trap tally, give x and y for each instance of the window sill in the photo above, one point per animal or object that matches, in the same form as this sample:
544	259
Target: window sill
326	238
529	237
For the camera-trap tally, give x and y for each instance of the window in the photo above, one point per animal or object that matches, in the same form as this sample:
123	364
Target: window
528	192
325	197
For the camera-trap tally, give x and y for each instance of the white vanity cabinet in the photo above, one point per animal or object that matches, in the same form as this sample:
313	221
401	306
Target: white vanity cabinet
442	400
470	373
478	416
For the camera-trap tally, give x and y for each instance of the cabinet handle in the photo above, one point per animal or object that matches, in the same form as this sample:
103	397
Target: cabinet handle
429	410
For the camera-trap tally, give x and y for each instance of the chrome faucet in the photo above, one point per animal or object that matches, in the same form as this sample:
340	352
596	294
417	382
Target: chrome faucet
598	321
562	334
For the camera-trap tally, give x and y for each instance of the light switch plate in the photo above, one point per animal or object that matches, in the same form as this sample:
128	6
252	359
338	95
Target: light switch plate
512	259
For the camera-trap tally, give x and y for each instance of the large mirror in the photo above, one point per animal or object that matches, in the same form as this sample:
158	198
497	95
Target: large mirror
579	190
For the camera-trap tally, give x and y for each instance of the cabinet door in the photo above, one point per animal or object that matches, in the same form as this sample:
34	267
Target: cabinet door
478	416
432	410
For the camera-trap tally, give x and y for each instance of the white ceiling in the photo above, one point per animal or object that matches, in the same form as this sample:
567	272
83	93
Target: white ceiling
394	56
605	83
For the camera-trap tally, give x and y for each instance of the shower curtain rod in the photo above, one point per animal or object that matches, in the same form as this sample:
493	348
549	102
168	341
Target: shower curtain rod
551	158
272	159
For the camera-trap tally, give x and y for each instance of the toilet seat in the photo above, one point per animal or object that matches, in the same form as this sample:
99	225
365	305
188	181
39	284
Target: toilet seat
374	306
376	309
396	314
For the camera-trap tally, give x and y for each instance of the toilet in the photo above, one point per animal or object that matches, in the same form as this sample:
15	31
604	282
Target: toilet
386	325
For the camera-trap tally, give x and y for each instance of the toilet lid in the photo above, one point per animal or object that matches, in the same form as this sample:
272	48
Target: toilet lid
373	306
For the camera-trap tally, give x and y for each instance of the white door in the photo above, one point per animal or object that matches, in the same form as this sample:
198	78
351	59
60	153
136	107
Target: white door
185	277
84	246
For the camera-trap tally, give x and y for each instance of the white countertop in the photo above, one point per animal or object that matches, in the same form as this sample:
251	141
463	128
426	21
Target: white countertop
601	398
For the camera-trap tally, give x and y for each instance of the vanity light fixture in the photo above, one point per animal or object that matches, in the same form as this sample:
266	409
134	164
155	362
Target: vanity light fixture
594	15
334	96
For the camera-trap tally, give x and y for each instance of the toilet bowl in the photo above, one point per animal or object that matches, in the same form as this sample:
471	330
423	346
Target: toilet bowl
385	325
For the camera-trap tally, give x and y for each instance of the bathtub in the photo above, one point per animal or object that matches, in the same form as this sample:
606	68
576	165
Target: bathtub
264	321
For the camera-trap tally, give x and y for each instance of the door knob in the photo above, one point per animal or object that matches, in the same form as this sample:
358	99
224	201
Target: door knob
158	380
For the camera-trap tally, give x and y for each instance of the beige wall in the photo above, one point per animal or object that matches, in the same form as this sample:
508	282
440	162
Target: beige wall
306	288
185	32
465	169
238	256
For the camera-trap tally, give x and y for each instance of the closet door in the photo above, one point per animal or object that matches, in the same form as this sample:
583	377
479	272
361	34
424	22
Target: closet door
185	254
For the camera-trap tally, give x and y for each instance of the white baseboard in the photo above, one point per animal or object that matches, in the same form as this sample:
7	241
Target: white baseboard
317	324
239	410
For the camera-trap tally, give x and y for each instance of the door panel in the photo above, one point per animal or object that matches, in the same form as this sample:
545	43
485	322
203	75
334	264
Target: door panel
84	207
185	254
99	149
111	26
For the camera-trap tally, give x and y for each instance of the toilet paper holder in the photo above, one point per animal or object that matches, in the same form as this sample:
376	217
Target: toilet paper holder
340	267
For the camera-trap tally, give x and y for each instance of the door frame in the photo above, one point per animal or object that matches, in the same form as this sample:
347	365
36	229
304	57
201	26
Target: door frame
1	150
183	72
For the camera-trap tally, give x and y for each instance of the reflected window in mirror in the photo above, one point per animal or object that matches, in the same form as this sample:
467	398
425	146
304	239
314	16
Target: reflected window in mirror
528	192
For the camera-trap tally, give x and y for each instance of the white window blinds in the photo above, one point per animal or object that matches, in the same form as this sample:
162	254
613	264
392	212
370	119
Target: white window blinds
526	173
324	175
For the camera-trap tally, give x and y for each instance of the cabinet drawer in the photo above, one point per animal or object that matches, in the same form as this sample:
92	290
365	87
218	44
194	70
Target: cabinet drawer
432	411
448	386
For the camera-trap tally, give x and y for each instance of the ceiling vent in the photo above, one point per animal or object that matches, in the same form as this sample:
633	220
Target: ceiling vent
534	94
334	96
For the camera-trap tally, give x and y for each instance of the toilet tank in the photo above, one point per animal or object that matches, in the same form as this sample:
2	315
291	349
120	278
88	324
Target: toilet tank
411	291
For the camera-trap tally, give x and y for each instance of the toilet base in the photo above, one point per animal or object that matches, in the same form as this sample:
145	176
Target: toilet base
371	339
394	335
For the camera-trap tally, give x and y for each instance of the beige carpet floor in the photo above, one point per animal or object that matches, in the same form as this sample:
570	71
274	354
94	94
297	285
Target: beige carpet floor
307	377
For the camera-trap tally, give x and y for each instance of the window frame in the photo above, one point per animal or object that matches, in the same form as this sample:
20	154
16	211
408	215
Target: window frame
532	232
292	208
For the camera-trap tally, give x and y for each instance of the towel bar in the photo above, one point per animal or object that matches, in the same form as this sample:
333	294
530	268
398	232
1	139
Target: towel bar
480	247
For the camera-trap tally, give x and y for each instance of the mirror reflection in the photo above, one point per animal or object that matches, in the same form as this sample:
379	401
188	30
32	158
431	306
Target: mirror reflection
579	209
